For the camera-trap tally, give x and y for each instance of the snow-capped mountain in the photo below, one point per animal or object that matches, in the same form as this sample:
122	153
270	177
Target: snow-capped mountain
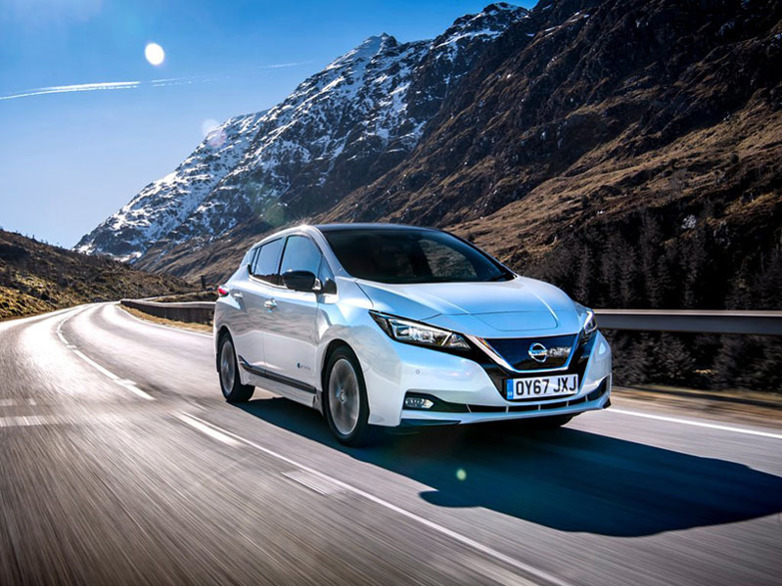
340	129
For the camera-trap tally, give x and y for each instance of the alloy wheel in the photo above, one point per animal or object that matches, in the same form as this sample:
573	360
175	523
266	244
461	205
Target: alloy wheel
344	397
227	367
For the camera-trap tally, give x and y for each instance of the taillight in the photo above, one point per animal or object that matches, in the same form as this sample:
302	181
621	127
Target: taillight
222	291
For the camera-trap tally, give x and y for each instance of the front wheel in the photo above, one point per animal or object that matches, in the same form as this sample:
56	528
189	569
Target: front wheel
230	383
345	400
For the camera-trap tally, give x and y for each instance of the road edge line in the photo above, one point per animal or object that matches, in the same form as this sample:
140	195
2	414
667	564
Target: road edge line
124	383
208	430
697	423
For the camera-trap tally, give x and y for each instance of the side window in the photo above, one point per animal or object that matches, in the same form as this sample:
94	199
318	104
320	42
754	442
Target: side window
301	254
248	258
267	260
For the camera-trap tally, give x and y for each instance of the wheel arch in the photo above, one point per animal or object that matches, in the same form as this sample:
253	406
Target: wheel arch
223	331
363	433
330	348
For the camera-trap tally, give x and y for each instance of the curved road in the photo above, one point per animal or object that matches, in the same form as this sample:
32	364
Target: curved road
121	463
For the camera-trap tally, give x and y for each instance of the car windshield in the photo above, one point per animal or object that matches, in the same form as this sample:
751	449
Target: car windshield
412	256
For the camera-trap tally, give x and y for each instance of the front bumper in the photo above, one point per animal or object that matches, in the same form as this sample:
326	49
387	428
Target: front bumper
467	391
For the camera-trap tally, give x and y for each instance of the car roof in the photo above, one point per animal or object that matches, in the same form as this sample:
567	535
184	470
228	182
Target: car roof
326	228
368	226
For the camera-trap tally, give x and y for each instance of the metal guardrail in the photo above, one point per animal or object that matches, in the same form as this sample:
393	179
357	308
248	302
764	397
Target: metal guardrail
693	321
199	312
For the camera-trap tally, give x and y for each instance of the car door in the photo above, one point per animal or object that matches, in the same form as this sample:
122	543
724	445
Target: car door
291	336
256	294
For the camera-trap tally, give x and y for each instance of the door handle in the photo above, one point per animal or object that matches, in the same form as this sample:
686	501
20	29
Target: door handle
271	304
237	294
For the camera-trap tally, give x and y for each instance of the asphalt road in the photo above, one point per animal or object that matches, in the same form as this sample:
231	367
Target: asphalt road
121	463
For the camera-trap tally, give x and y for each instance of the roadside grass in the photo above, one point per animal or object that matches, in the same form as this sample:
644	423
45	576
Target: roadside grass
166	322
36	278
18	304
736	405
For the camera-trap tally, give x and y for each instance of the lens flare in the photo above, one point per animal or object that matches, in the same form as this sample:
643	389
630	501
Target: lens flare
154	53
208	126
461	474
214	135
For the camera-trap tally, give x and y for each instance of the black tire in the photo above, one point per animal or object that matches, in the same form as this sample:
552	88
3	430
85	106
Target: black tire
228	372
353	429
548	422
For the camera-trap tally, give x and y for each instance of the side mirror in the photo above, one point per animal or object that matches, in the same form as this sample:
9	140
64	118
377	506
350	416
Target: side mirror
328	287
250	268
299	280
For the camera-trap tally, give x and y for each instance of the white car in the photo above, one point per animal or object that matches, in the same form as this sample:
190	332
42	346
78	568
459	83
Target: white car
379	325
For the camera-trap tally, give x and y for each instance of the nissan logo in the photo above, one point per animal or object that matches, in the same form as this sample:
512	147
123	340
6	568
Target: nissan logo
538	352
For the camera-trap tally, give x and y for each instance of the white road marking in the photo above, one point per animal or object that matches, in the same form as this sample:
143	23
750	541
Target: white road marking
318	483
698	423
17	402
9	421
103	370
537	574
216	434
17	321
127	384
150	323
62	419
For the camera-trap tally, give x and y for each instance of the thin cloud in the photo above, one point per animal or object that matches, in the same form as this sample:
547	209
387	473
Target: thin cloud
281	65
112	86
94	87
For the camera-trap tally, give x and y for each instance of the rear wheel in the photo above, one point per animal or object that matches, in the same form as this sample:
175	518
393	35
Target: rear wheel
230	382
345	400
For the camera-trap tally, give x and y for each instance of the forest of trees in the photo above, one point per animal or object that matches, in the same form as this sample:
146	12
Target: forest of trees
650	261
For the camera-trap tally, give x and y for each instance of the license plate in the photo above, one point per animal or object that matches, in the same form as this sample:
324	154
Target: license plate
541	387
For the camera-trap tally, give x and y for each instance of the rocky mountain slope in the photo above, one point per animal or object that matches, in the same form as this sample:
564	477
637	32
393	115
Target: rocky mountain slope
542	135
339	130
630	151
36	277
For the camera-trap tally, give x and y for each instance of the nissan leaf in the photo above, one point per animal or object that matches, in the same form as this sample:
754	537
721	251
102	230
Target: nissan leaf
379	326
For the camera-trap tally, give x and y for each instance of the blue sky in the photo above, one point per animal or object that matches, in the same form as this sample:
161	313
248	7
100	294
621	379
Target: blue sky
69	159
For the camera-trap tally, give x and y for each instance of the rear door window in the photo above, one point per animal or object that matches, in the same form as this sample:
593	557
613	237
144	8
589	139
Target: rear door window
267	260
249	257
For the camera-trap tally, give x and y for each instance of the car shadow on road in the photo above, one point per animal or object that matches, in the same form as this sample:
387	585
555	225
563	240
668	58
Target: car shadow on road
566	479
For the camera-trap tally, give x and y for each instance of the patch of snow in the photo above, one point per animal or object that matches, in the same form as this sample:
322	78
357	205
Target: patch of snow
358	105
689	222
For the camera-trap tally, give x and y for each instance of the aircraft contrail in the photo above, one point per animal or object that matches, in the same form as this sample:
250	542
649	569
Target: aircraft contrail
111	86
94	87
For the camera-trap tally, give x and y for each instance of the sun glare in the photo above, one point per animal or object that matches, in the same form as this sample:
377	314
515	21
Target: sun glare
154	53
215	136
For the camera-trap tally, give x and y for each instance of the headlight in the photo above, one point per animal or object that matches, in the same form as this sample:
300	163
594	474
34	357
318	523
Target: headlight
411	332
590	324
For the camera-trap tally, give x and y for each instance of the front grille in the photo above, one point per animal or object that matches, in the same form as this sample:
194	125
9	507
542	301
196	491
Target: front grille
577	364
535	354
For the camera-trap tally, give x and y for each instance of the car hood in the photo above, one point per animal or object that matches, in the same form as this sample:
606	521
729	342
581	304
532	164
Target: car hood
483	309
